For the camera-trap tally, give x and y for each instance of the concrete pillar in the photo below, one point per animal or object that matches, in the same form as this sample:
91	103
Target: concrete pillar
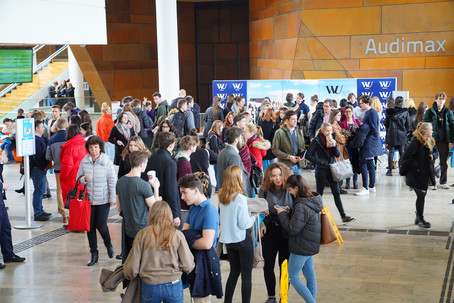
77	79
167	36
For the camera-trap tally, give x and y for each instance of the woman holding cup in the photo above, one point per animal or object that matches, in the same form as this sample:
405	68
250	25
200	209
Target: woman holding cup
323	151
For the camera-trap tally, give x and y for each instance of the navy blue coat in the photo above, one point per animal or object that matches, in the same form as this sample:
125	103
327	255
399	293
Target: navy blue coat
205	279
368	142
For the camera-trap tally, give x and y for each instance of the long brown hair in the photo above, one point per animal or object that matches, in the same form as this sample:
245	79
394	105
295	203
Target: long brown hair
268	184
139	143
232	185
226	120
161	221
216	104
304	191
420	113
269	115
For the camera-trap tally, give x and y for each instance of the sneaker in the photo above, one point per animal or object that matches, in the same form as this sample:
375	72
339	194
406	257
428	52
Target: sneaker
347	219
41	218
372	189
271	300
362	192
389	173
444	186
433	187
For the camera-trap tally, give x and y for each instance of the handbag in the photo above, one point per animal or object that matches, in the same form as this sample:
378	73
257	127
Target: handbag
72	193
341	170
259	261
80	210
328	234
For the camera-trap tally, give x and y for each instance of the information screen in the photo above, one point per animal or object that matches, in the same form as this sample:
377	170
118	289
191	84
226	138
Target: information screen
16	65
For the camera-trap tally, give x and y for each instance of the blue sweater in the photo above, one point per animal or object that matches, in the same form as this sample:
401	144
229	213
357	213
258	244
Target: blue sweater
39	158
371	118
235	219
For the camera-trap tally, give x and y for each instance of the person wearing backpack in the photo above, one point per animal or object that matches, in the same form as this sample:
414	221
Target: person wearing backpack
182	119
416	165
304	228
235	223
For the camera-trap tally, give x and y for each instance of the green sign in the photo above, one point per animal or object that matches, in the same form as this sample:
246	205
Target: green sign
16	65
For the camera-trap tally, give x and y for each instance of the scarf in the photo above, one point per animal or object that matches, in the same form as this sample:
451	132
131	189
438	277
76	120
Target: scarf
322	139
124	130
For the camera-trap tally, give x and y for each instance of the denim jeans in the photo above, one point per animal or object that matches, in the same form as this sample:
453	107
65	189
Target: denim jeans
296	169
9	151
110	150
39	183
306	264
368	173
166	292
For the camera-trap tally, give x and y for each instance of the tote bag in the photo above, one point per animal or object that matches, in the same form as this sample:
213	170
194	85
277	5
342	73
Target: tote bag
80	210
341	170
259	261
328	234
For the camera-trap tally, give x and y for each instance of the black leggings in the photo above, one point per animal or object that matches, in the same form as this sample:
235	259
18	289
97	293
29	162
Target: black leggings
98	221
324	175
272	243
420	199
241	257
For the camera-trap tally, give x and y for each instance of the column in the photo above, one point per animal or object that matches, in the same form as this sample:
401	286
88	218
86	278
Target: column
167	36
77	80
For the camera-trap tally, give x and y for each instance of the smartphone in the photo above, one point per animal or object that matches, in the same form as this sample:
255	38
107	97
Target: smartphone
278	206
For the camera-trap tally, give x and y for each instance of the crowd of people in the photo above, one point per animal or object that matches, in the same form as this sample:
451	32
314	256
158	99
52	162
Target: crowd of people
166	173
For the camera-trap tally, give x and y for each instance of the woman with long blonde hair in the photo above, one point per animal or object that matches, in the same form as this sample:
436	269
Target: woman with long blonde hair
135	143
235	221
159	255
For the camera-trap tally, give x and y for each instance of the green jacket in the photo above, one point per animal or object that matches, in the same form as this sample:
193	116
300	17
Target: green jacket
161	110
431	117
282	146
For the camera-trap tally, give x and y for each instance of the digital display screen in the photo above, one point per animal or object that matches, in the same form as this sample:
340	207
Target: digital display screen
16	65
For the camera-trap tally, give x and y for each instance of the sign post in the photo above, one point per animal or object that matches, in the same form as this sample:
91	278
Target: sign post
25	145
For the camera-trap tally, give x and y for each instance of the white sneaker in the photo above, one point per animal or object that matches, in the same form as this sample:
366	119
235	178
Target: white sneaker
444	186
362	192
372	190
433	187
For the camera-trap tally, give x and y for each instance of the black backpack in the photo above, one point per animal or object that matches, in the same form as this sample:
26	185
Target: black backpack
178	121
256	177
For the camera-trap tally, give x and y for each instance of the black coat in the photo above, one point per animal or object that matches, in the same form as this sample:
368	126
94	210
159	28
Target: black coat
269	129
398	124
304	225
209	119
114	137
417	156
215	142
145	122
316	154
315	123
166	172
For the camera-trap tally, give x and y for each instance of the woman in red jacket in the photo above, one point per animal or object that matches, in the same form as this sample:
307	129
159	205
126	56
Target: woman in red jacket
258	146
71	154
103	128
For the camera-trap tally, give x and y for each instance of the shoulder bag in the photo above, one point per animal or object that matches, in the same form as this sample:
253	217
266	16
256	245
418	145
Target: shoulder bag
341	170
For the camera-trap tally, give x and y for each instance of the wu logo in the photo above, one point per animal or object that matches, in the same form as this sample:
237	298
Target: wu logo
222	86
334	89
237	86
385	95
222	96
367	85
370	94
237	95
385	84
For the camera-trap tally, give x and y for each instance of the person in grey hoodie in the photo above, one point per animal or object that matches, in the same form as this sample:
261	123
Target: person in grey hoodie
304	228
97	172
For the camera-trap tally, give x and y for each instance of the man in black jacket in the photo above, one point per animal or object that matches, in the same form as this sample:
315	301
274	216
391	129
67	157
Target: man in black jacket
145	121
165	167
38	172
442	120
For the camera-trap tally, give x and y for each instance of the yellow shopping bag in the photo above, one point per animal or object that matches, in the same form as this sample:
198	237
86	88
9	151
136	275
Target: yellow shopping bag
284	282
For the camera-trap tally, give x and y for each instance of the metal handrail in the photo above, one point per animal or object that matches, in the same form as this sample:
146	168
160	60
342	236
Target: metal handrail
37	48
35	69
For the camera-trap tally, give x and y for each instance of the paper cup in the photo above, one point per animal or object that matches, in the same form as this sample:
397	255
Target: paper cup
151	174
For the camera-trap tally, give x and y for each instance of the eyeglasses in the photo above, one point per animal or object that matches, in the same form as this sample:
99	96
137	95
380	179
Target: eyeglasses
348	111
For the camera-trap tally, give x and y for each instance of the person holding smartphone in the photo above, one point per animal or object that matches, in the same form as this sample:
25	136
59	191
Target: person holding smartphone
288	143
322	151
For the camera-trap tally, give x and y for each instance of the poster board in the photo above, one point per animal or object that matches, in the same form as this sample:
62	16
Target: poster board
25	137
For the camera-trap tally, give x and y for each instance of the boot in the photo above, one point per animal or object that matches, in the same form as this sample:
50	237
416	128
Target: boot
389	173
94	259
416	219
110	250
422	223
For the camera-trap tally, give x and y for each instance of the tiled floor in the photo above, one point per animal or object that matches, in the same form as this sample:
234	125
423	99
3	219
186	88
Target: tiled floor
384	258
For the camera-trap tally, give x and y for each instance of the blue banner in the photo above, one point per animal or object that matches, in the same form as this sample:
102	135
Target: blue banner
224	88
